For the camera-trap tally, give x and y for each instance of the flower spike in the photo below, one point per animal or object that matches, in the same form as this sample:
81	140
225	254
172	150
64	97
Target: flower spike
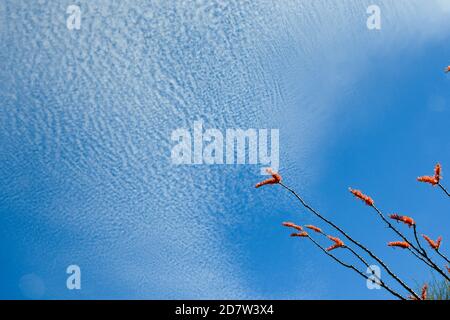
406	220
292	225
428	179
357	193
399	244
276	178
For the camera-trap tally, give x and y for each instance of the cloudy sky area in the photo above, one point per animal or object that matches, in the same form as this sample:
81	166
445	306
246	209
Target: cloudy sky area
87	115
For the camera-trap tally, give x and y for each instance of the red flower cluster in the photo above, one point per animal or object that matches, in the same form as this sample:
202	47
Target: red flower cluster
406	220
399	244
437	172
357	193
338	243
433	244
276	178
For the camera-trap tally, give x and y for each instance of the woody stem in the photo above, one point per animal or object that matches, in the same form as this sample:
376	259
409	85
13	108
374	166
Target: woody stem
420	251
420	258
349	266
363	261
360	258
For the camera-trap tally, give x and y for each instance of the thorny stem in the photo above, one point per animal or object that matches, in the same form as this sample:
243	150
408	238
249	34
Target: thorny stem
349	266
393	275
425	255
443	189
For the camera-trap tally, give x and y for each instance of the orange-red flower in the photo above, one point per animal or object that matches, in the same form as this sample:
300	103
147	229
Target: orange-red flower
447	69
276	178
302	234
437	172
399	244
433	180
314	228
357	193
292	225
338	243
407	220
448	269
428	179
433	244
423	296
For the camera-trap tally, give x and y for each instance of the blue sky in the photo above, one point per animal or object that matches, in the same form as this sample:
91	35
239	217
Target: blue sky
86	119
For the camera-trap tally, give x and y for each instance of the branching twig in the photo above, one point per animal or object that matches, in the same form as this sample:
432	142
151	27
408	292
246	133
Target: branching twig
358	256
443	189
425	255
442	255
420	258
418	250
349	266
393	275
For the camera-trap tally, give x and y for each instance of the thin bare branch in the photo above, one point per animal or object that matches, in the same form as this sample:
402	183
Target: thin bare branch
392	274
